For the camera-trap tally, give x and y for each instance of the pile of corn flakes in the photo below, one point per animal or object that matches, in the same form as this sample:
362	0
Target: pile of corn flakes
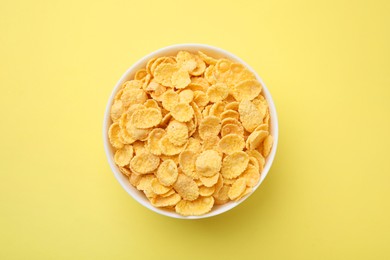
191	131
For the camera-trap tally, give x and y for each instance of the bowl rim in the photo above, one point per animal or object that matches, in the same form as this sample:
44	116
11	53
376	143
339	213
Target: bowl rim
107	122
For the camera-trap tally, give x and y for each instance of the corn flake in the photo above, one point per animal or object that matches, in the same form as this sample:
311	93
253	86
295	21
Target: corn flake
182	112
177	133
198	207
144	163
209	181
163	74
167	201
206	191
230	114
158	188
221	197
186	96
186	187
231	143
248	89
168	148
146	118
232	129
208	163
210	125
114	136
250	115
167	172
124	155
251	175
255	139
234	164
187	160
180	79
217	92
238	187
268	142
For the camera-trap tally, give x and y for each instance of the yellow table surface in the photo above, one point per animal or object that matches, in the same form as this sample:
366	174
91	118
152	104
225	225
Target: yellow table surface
326	64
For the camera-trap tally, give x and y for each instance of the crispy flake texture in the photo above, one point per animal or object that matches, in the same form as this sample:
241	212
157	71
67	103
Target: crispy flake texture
191	131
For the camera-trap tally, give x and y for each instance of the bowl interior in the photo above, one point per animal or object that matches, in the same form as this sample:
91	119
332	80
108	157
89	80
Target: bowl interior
129	74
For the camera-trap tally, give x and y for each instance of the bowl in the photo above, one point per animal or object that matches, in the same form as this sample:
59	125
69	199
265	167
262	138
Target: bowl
129	74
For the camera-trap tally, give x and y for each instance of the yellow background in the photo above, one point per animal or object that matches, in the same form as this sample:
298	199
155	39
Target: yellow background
326	64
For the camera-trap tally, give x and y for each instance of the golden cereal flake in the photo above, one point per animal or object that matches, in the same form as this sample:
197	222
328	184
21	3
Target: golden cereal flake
211	143
167	172
152	143
210	125
186	96
231	143
187	160
159	61
167	201
137	133
133	96
137	84
251	175
206	191
198	207
223	65
232	106
186	187
221	197
149	65
238	187
168	148
217	109
267	145
246	192
140	74
250	115
158	188
124	155
232	129
201	98
115	136
180	79
209	181
170	99
255	139
116	110
230	114
200	66
164	72
139	147
194	145
248	89
217	92
177	132
145	182
144	163
208	163
234	164
207	59
264	127
125	171
146	118
230	121
186	61
135	179
151	103
209	74
182	112
258	156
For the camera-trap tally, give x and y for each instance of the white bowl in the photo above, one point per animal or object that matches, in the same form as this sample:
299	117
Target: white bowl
129	74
